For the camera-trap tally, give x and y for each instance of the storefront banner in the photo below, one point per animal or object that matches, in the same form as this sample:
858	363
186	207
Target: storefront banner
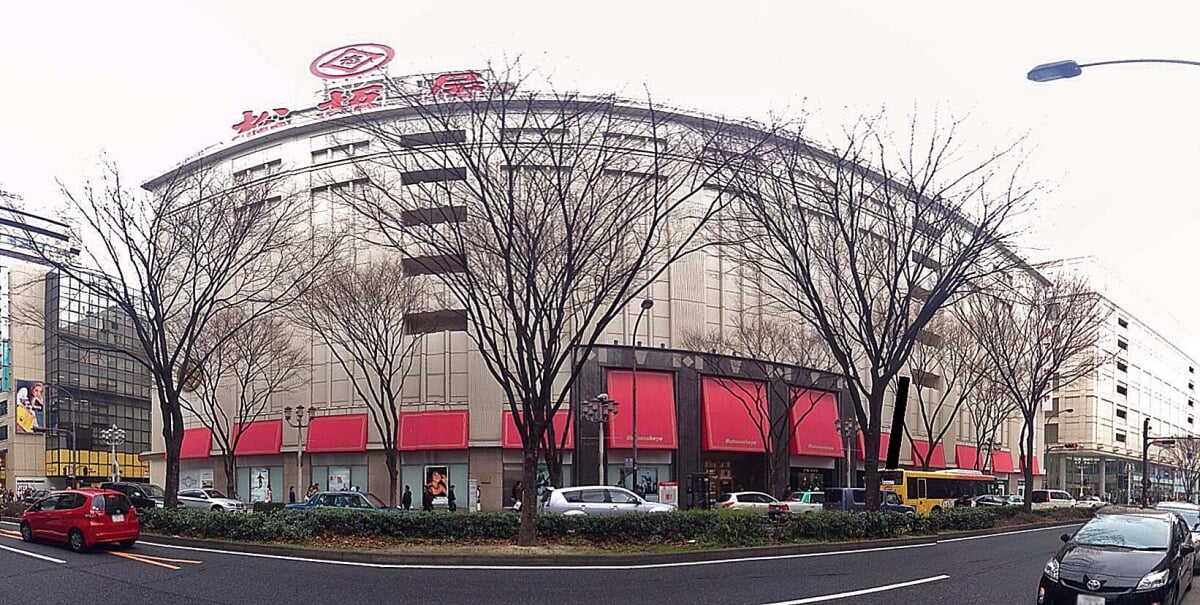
31	415
260	484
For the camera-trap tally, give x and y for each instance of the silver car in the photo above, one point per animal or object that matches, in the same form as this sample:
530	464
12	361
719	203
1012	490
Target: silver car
1191	514
210	499
600	500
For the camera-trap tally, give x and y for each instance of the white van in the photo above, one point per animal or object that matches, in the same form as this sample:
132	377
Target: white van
1052	498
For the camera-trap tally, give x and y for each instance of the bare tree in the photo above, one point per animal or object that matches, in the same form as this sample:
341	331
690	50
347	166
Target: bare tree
1185	455
544	215
249	363
988	407
173	258
946	371
368	314
1037	336
778	350
867	240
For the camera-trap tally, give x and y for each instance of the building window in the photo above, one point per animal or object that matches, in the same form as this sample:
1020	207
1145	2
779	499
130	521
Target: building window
434	216
3	432
1121	322
433	265
1191	403
1121	344
340	152
1122	366
436	175
1191	386
1122	389
433	138
1121	413
1191	420
1191	369
1120	437
436	321
3	408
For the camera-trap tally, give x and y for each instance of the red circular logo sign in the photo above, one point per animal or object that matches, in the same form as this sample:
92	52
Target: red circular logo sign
352	60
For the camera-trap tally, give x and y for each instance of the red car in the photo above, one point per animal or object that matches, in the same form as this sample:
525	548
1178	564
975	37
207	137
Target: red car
82	518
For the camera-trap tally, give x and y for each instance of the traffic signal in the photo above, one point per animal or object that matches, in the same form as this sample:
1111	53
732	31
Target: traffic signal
1070	446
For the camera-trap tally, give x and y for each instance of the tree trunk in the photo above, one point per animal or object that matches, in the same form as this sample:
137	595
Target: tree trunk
1027	471
230	463
554	463
527	534
393	468
173	435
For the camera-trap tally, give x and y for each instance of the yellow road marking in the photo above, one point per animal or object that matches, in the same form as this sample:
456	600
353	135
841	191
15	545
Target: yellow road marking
10	533
166	559
125	555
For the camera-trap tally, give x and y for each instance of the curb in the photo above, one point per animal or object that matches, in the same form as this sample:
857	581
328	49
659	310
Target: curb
580	560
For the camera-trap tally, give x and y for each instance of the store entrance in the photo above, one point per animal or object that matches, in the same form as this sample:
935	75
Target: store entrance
729	472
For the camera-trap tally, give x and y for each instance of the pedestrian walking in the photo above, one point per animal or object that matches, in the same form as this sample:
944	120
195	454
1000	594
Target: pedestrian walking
291	494
426	499
518	487
451	500
406	498
267	493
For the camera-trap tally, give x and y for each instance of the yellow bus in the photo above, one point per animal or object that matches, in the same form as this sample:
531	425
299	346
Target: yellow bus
932	491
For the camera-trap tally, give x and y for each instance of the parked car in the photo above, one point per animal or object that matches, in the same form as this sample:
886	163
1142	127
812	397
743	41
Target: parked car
1121	556
600	500
1191	516
142	495
798	502
82	518
210	499
855	498
347	500
989	500
1090	502
1015	499
1052	498
35	496
755	501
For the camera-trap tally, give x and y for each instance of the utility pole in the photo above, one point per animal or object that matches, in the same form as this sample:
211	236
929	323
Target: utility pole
1145	462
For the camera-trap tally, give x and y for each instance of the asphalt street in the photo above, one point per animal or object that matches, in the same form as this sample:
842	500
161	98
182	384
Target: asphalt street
1002	569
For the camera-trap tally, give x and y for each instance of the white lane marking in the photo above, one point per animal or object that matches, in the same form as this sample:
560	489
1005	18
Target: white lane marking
31	554
855	593
1008	533
539	567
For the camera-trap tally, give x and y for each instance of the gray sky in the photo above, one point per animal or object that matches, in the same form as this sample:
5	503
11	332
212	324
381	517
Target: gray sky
151	82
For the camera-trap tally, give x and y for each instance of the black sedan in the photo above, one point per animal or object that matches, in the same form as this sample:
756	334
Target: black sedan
1122	556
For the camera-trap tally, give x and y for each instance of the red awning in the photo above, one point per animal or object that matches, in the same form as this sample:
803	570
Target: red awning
884	439
420	431
656	410
733	411
258	438
511	438
197	443
966	456
937	459
1036	471
343	433
1002	462
816	433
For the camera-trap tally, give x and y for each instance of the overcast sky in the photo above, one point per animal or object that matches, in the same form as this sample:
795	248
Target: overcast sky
148	83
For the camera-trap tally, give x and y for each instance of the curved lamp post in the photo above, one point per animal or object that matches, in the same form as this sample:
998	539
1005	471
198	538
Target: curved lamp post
1060	70
646	305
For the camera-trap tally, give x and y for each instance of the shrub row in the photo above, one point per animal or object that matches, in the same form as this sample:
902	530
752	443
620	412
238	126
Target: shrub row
713	528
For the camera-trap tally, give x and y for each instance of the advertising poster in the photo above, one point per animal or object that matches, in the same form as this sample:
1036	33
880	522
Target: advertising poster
437	479
260	484
339	478
31	414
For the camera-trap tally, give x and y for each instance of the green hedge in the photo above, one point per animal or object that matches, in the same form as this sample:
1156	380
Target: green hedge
711	528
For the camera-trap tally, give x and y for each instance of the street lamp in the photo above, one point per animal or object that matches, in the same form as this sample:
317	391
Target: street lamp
1060	70
1046	454
847	429
74	457
114	436
599	410
299	423
646	305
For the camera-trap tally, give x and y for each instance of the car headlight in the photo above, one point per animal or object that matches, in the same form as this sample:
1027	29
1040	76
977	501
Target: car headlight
1051	569
1154	580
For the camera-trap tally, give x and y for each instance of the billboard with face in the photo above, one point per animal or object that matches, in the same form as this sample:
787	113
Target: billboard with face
31	407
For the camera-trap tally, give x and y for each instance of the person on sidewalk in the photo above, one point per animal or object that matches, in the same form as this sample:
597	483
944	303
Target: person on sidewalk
406	498
291	494
426	499
451	500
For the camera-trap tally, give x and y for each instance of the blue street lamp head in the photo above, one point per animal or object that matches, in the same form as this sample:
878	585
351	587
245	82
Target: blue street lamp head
1055	71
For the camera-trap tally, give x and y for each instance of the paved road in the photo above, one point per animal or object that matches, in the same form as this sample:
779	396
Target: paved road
1000	569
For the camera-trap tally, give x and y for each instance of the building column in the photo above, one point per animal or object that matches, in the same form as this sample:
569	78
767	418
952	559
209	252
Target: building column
1062	472
1103	480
